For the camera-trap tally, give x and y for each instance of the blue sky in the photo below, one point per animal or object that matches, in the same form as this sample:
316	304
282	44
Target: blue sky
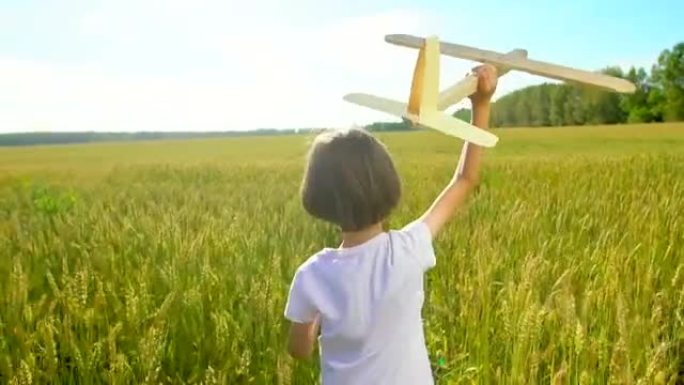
133	65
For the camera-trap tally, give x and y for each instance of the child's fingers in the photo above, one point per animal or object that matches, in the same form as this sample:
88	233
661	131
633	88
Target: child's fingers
478	69
484	70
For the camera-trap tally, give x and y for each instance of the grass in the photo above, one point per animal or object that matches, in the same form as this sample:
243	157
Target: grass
169	262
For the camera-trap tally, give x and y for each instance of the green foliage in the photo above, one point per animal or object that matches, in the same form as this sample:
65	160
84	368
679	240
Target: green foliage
642	105
464	114
657	98
389	126
668	74
557	105
51	201
169	262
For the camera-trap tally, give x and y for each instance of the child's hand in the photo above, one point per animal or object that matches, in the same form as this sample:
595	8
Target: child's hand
486	83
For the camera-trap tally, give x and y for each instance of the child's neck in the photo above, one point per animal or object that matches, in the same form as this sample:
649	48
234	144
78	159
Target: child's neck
355	238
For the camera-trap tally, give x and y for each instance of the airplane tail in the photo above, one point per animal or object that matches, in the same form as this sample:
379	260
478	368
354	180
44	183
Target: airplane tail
425	84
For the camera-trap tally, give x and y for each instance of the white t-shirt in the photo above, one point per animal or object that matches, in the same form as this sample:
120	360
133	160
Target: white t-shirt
369	298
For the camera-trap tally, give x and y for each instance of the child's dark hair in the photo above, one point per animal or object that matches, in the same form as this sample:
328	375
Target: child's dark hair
350	180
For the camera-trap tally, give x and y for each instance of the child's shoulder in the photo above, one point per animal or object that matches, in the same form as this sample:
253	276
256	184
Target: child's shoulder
312	262
415	241
416	230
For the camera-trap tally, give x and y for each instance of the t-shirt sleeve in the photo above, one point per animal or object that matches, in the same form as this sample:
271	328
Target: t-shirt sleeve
299	307
418	240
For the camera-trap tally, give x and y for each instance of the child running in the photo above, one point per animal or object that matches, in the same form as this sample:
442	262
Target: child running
366	296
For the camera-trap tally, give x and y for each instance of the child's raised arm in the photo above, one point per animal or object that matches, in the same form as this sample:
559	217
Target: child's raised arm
467	174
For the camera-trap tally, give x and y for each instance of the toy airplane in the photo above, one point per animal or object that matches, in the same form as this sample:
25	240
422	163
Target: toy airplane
422	109
426	103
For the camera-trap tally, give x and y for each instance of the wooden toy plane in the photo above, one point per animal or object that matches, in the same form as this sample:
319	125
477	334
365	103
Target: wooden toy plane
422	109
426	103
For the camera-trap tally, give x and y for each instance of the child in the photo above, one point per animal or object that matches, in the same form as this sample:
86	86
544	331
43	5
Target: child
367	295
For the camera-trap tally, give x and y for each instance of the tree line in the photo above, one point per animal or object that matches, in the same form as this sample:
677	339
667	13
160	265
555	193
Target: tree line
41	138
659	97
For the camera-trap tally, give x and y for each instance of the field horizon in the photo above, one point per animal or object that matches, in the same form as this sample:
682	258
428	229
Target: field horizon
622	139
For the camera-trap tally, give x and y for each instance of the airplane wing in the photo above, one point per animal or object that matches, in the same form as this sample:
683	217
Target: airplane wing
534	67
389	106
457	92
437	120
468	86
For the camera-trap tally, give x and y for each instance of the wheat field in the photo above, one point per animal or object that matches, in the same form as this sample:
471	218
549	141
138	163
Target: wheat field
170	261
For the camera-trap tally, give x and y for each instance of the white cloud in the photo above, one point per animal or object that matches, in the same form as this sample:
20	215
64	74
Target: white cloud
214	74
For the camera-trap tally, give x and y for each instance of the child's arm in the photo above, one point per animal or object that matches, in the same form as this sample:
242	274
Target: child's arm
302	339
467	174
303	314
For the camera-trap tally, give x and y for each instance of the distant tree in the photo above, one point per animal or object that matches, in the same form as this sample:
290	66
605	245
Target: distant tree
657	103
559	98
604	106
535	105
573	113
668	77
388	126
522	108
541	110
639	106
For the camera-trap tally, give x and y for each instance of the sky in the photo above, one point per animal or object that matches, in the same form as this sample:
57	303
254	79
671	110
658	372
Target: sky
217	65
